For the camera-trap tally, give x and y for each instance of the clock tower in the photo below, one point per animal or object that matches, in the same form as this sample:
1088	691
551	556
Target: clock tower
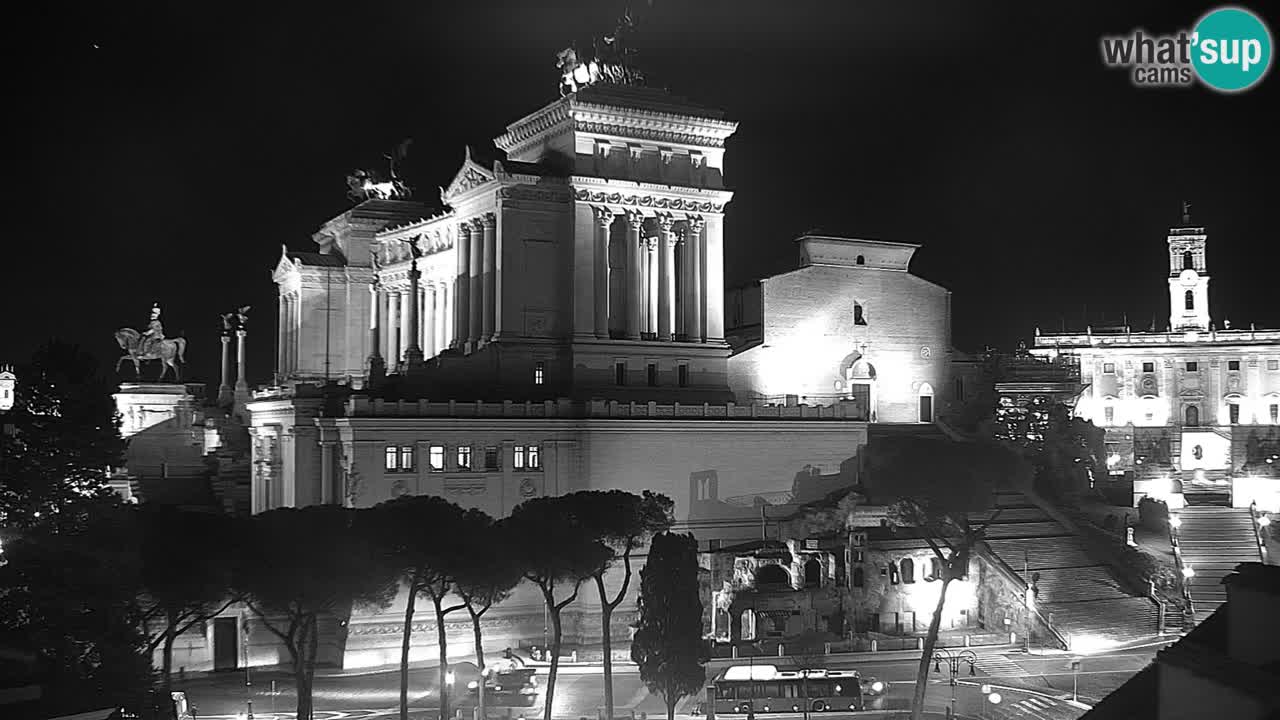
1188	276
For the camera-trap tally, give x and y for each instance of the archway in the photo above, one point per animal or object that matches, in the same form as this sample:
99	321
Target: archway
812	573
860	381
1192	416
772	575
908	570
859	578
925	403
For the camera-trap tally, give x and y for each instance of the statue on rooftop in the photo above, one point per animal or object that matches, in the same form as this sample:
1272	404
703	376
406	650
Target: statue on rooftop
369	185
610	60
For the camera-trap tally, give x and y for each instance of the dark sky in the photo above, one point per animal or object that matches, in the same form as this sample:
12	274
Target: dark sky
165	150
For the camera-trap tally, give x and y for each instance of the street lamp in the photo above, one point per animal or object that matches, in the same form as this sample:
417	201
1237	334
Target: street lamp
1188	572
1175	521
953	661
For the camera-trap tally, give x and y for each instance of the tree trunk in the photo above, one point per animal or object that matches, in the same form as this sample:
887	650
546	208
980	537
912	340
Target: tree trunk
606	642
298	653
404	651
442	643
555	656
167	660
926	655
475	631
671	699
313	643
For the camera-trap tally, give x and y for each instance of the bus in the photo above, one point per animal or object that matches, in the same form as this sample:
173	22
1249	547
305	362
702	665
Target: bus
755	689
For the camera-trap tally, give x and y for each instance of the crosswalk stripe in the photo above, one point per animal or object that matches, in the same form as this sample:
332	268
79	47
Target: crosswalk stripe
999	666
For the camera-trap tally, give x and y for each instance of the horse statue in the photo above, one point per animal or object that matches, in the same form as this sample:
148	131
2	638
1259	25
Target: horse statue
166	351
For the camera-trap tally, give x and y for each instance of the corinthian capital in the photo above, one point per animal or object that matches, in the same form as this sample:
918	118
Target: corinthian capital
696	223
666	222
489	220
635	220
477	225
604	216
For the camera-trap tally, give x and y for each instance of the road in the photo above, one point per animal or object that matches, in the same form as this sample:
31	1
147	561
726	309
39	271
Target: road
579	692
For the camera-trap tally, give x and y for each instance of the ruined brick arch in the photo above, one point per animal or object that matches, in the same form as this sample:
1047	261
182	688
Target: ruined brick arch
812	573
772	575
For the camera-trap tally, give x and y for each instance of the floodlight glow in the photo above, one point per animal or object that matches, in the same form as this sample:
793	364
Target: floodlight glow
1200	475
1175	521
1090	644
995	698
1188	572
449	677
1263	521
877	687
473	685
1113	460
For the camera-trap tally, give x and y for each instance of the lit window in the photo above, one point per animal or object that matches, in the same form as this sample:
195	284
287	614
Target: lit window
620	373
491	458
1109	368
1193	367
392	458
534	455
1233	411
682	375
893	574
518	461
539	372
406	458
1190	300
437	458
651	374
1148	367
464	457
1233	364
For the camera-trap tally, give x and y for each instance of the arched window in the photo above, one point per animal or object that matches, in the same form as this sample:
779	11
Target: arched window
926	403
1193	416
859	317
860	261
772	575
1190	300
908	570
935	569
1188	261
859	577
812	573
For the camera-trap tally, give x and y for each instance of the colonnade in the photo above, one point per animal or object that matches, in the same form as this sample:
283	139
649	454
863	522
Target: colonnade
666	278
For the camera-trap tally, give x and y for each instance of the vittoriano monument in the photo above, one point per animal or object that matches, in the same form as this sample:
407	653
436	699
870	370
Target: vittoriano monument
151	344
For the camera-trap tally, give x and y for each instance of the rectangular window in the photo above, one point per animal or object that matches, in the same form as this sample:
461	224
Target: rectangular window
406	458
518	461
534	455
1109	368
539	372
1233	364
651	374
464	457
491	458
1273	364
392	462
436	457
1109	415
1233	410
682	375
620	374
1193	366
1148	367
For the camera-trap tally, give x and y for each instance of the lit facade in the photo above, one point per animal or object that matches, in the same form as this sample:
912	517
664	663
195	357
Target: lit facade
1194	403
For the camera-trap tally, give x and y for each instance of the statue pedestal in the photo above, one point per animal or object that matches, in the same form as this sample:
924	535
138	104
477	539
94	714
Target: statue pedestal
164	424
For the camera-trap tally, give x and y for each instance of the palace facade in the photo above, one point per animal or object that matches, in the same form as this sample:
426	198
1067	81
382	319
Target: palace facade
559	324
1193	408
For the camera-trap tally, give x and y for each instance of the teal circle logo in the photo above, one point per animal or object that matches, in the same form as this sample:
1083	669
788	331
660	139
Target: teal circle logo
1231	49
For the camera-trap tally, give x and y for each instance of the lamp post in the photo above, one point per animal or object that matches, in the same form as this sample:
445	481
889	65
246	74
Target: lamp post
1075	680
954	661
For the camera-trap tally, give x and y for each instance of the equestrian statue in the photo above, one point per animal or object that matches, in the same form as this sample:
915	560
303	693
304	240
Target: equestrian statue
151	344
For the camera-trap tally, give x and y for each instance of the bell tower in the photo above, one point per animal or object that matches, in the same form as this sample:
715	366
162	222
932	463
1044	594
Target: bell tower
1188	276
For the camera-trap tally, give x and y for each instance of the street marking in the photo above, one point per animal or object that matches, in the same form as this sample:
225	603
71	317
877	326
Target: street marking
999	666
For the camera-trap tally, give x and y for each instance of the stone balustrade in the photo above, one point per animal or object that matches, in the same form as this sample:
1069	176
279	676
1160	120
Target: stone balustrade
567	409
1221	337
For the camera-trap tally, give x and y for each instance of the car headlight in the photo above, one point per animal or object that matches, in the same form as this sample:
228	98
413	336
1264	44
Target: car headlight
473	685
877	687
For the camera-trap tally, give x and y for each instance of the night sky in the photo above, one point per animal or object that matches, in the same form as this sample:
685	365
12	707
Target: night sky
165	150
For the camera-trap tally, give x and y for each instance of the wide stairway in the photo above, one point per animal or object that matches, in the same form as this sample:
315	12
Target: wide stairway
1078	594
1213	541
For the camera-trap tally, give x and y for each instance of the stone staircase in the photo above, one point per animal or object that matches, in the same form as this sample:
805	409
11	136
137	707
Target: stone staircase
1076	592
1206	487
1213	540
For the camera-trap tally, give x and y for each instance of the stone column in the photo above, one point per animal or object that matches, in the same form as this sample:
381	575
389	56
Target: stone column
429	339
224	390
446	316
281	325
393	321
461	286
405	308
413	300
651	286
713	276
291	333
475	303
328	491
490	281
376	367
242	385
693	295
666	276
604	219
634	222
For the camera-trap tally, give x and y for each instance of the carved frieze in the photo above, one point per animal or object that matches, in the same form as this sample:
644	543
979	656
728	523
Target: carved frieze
648	201
649	133
534	195
464	487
